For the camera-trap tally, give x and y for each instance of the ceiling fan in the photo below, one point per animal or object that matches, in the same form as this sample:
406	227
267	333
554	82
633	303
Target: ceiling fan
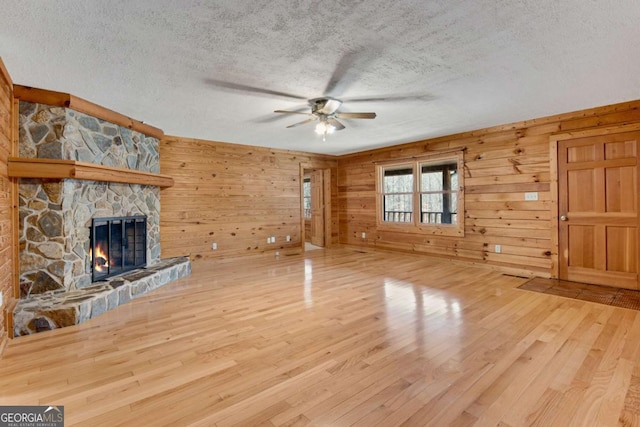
325	112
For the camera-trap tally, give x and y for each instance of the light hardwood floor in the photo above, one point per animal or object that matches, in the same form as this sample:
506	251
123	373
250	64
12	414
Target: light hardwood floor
333	338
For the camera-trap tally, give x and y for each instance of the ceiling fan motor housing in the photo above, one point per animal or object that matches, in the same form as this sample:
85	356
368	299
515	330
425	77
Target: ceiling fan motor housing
324	105
317	106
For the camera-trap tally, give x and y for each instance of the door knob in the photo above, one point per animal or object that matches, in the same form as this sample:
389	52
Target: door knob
563	218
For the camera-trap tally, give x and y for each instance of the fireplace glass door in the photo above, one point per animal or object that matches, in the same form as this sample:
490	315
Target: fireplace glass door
117	245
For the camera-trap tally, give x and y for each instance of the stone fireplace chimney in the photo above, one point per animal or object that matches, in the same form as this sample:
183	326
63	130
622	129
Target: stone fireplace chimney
55	216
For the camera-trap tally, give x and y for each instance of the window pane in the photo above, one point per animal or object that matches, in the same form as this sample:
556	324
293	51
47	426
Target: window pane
431	181
306	197
453	203
454	179
398	180
398	207
438	208
432	177
306	188
431	208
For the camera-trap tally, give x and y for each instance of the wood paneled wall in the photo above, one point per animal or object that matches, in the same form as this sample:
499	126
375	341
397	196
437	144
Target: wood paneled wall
233	195
501	164
6	229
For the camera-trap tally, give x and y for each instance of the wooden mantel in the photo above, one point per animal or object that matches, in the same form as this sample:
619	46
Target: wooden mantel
60	99
61	169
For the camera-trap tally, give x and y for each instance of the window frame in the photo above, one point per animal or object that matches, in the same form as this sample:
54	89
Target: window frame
394	167
415	225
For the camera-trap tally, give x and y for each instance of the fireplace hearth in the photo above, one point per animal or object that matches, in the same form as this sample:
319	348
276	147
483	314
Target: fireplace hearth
118	245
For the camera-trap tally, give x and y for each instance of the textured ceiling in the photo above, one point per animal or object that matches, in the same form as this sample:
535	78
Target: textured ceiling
217	69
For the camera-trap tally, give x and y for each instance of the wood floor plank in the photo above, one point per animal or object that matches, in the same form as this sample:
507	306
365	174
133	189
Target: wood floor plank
340	337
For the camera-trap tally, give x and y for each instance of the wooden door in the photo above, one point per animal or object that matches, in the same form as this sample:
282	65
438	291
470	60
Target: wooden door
317	208
598	209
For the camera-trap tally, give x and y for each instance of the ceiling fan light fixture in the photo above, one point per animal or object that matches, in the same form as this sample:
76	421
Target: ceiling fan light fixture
323	128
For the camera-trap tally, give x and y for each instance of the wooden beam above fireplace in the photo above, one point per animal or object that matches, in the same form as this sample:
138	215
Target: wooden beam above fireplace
70	169
60	99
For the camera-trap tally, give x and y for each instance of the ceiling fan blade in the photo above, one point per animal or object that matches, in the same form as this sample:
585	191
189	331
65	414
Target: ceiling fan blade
304	122
245	88
402	97
336	124
292	112
350	67
356	115
339	81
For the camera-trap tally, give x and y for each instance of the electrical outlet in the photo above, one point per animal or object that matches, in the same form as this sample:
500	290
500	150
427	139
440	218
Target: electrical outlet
498	249
364	235
273	239
1	299
288	238
269	239
214	246
531	196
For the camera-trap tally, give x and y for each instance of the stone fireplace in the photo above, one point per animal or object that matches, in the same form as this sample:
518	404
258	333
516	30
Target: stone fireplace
57	218
55	228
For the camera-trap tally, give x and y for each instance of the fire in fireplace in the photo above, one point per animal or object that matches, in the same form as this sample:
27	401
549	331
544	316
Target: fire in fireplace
117	245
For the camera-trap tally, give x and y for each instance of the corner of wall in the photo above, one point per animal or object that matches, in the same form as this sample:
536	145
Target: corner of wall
8	132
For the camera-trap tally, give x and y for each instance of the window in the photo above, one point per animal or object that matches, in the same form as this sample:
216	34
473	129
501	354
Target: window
422	195
306	197
439	193
398	194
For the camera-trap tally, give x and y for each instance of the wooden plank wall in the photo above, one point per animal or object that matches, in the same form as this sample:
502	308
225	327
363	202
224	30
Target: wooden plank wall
233	195
501	164
6	248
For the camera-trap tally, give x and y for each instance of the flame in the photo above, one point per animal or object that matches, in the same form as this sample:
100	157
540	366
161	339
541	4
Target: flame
100	262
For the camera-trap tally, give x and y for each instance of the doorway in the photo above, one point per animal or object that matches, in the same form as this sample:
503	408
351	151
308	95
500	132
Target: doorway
316	193
597	218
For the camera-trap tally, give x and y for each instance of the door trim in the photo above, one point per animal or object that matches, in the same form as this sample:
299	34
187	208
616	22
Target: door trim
553	169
